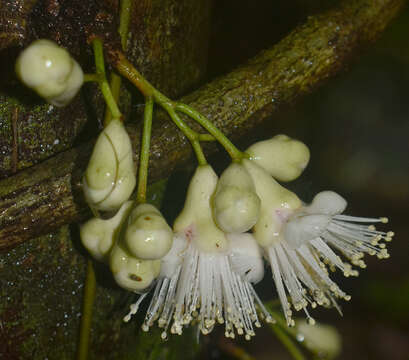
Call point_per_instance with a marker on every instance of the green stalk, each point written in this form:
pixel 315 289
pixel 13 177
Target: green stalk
pixel 234 153
pixel 124 19
pixel 92 78
pixel 192 135
pixel 144 154
pixel 88 302
pixel 103 83
pixel 126 69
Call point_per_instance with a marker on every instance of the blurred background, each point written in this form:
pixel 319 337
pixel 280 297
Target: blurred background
pixel 357 128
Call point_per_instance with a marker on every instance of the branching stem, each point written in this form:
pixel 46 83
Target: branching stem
pixel 124 19
pixel 126 69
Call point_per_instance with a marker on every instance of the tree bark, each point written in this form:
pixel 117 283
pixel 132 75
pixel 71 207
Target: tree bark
pixel 168 41
pixel 41 282
pixel 47 196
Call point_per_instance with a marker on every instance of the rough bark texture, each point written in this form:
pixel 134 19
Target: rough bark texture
pixel 41 282
pixel 32 131
pixel 44 197
pixel 41 288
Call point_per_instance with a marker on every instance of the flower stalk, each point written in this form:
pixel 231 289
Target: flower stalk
pixel 126 69
pixel 144 154
pixel 111 97
pixel 86 318
pixel 103 82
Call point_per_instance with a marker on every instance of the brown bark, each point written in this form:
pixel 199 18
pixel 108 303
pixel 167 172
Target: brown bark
pixel 48 195
pixel 166 37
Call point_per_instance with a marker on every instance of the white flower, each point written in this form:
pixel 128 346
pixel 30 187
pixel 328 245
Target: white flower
pixel 236 205
pixel 297 240
pixel 282 157
pixel 50 70
pixel 204 281
pixel 110 176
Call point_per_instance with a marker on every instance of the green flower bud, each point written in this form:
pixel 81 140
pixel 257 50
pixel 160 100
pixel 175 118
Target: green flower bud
pixel 50 71
pixel 110 176
pixel 97 235
pixel 148 236
pixel 236 205
pixel 282 157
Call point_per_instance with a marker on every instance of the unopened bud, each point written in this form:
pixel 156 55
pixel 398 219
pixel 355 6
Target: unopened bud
pixel 236 205
pixel 282 157
pixel 97 235
pixel 131 273
pixel 148 236
pixel 50 71
pixel 110 176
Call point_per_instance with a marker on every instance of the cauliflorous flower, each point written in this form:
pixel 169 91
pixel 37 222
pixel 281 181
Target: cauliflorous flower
pixel 205 279
pixel 298 241
pixel 50 71
pixel 110 176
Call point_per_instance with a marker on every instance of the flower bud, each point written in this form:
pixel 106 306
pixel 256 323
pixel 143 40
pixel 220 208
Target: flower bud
pixel 236 205
pixel 282 157
pixel 50 71
pixel 131 273
pixel 196 220
pixel 97 235
pixel 277 204
pixel 322 340
pixel 246 257
pixel 148 236
pixel 327 202
pixel 110 176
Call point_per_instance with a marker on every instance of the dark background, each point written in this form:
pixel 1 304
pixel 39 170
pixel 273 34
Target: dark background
pixel 357 129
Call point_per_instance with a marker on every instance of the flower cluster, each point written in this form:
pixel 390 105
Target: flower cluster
pixel 203 271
